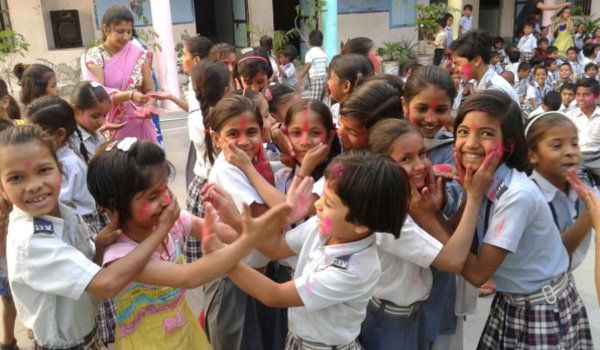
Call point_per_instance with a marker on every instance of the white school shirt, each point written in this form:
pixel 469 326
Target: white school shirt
pixel 491 80
pixel 273 63
pixel 335 283
pixel 449 36
pixel 465 24
pixel 527 43
pixel 565 210
pixel 73 188
pixel 290 72
pixel 90 141
pixel 588 129
pixel 513 67
pixel 283 181
pixel 233 180
pixel 318 62
pixel 519 221
pixel 197 132
pixel 49 267
pixel 405 274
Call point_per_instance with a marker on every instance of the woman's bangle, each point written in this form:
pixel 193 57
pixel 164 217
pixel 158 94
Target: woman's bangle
pixel 131 95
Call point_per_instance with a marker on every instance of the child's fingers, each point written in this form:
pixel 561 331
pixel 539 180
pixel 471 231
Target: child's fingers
pixel 209 220
pixel 459 167
pixel 468 174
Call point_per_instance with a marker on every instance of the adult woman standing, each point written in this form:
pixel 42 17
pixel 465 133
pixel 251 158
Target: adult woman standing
pixel 531 10
pixel 120 65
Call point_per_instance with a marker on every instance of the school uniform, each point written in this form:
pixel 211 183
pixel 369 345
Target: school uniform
pixel 466 23
pixel 335 283
pixel 49 267
pixel 576 68
pixel 588 132
pixel 90 141
pixel 532 282
pixel 513 67
pixel 566 109
pixel 527 44
pixel 449 36
pixel 540 92
pixel 565 209
pixel 491 80
pixel 317 73
pixel 394 316
pixel 235 320
pixel 290 72
pixel 497 67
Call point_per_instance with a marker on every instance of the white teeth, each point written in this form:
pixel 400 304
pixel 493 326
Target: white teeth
pixel 471 156
pixel 38 199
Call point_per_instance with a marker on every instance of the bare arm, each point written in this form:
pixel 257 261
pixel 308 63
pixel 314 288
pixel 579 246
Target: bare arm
pixel 302 74
pixel 481 267
pixel 544 7
pixel 164 95
pixel 575 234
pixel 97 71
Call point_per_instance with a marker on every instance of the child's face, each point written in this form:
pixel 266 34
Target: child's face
pixel 243 131
pixel 552 67
pixel 146 206
pixel 498 45
pixel 543 46
pixel 580 28
pixel 230 62
pixel 467 12
pixel 92 119
pixel 523 74
pixel 495 59
pixel 429 111
pixel 263 107
pixel 556 153
pixel 478 135
pixel 52 87
pixel 30 178
pixel 257 83
pixel 283 59
pixel 540 77
pixel 553 55
pixel 306 131
pixel 527 30
pixel 352 133
pixel 465 66
pixel 449 21
pixel 592 72
pixel 567 96
pixel 457 78
pixel 543 32
pixel 408 151
pixel 283 108
pixel 332 214
pixel 564 72
pixel 572 55
pixel 566 14
pixel 338 89
pixel 188 61
pixel 585 98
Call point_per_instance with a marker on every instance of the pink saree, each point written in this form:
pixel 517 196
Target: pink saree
pixel 118 72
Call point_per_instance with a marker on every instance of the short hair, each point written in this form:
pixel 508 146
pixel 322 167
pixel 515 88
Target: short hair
pixel 115 177
pixel 373 187
pixel 494 54
pixel 543 40
pixel 514 56
pixel 468 7
pixel 551 50
pixel 198 46
pixel 474 43
pixel 572 48
pixel 448 16
pixel 498 105
pixel 289 52
pixel 567 65
pixel 567 86
pixel 549 61
pixel 588 49
pixel 535 61
pixel 589 83
pixel 590 66
pixel 540 67
pixel 498 39
pixel 441 22
pixel 523 66
pixel 266 42
pixel 360 45
pixel 552 100
pixel 528 24
pixel 374 100
pixel 315 38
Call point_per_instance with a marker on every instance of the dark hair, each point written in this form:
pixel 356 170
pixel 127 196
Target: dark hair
pixel 219 51
pixel 588 49
pixel 543 40
pixel 590 66
pixel 535 61
pixel 498 105
pixel 115 177
pixel 256 97
pixel 374 100
pixel 523 66
pixel 537 127
pixel 13 110
pixel 280 94
pixel 383 134
pixel 536 68
pixel 411 67
pixel 528 24
pixel 429 76
pixel 494 54
pixel 498 39
pixel 266 42
pixel 289 52
pixel 253 62
pixel 315 38
pixel 375 189
pixel 572 48
pixel 33 79
pixel 198 46
pixel 351 67
pixel 448 16
pixel 227 107
pixel 3 89
pixel 27 133
pixel 474 43
pixel 441 22
pixel 52 113
pixel 551 50
pixel 514 56
pixel 468 7
pixel 324 115
pixel 552 100
pixel 87 95
pixel 567 86
pixel 548 62
pixel 115 15
pixel 209 79
pixel 565 64
pixel 359 45
pixel 589 83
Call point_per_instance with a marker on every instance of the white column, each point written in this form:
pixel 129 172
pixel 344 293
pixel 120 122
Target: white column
pixel 547 17
pixel 166 62
pixel 457 4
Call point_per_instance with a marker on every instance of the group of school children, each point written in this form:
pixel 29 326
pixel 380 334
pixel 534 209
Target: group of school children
pixel 366 224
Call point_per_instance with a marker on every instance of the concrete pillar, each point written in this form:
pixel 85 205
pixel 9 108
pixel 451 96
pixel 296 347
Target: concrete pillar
pixel 456 4
pixel 547 17
pixel 331 44
pixel 166 59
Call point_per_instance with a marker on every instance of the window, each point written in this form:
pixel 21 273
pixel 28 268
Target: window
pixel 586 6
pixel 4 17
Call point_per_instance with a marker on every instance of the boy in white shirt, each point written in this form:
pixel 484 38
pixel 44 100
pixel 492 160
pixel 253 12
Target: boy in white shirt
pixel 587 119
pixel 527 43
pixel 315 66
pixel 287 68
pixel 466 21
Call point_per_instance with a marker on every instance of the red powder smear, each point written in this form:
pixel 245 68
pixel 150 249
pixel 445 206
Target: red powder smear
pixel 242 130
pixel 497 147
pixel 337 171
pixel 143 111
pixel 326 229
pixel 500 228
pixel 442 168
pixel 143 214
pixel 167 197
pixel 474 126
pixel 411 117
pixel 263 166
pixel 466 71
pixel 301 208
pixel 432 106
pixel 28 165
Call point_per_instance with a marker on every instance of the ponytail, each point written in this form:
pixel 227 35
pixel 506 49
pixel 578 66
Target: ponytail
pixel 82 149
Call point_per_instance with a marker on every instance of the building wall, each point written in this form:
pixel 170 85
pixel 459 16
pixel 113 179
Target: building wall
pixel 260 14
pixel 372 25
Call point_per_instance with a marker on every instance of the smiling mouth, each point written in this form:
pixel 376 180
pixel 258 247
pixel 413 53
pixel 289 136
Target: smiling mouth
pixel 472 156
pixel 429 127
pixel 38 199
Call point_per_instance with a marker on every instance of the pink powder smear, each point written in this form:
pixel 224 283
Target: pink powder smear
pixel 28 165
pixel 326 229
pixel 500 228
pixel 143 111
pixel 167 197
pixel 337 170
pixel 242 131
pixel 144 211
pixel 443 168
pixel 466 71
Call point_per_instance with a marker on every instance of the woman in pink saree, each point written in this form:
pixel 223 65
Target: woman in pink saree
pixel 120 65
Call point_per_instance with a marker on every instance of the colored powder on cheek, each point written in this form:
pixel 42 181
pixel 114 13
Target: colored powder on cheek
pixel 411 117
pixel 143 214
pixel 497 147
pixel 167 198
pixel 28 165
pixel 466 71
pixel 443 168
pixel 326 229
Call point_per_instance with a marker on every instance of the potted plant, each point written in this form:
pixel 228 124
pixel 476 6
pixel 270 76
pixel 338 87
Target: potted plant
pixel 427 17
pixel 396 54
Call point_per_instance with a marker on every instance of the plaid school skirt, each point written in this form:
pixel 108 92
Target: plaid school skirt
pixel 192 247
pixel 292 342
pixel 317 88
pixel 563 324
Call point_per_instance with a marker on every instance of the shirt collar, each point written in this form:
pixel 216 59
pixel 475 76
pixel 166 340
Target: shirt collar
pixel 58 223
pixel 579 113
pixel 501 177
pixel 332 252
pixel 549 190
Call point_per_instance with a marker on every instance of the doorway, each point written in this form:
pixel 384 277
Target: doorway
pixel 284 14
pixel 489 17
pixel 222 21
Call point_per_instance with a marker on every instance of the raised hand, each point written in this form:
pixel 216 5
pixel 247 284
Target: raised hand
pixel 282 141
pixel 268 224
pixel 299 196
pixel 110 232
pixel 210 240
pixel 224 204
pixel 170 214
pixel 263 166
pixel 313 158
pixel 236 156
pixel 111 126
pixel 477 183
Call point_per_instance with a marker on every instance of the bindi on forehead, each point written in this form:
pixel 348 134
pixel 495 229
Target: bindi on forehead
pixel 28 165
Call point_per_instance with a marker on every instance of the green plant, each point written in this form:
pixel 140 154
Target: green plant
pixel 576 11
pixel 402 51
pixel 12 45
pixel 281 38
pixel 179 50
pixel 589 22
pixel 428 15
pixel 68 75
pixel 304 22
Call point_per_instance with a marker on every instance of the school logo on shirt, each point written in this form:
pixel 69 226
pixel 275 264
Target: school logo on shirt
pixel 500 190
pixel 341 262
pixel 42 226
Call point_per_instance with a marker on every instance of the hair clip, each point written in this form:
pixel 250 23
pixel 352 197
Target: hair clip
pixel 260 58
pixel 95 84
pixel 111 145
pixel 539 116
pixel 268 95
pixel 126 143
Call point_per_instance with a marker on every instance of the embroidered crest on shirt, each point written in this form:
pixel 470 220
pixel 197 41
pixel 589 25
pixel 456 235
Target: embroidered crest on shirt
pixel 341 262
pixel 42 226
pixel 500 190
